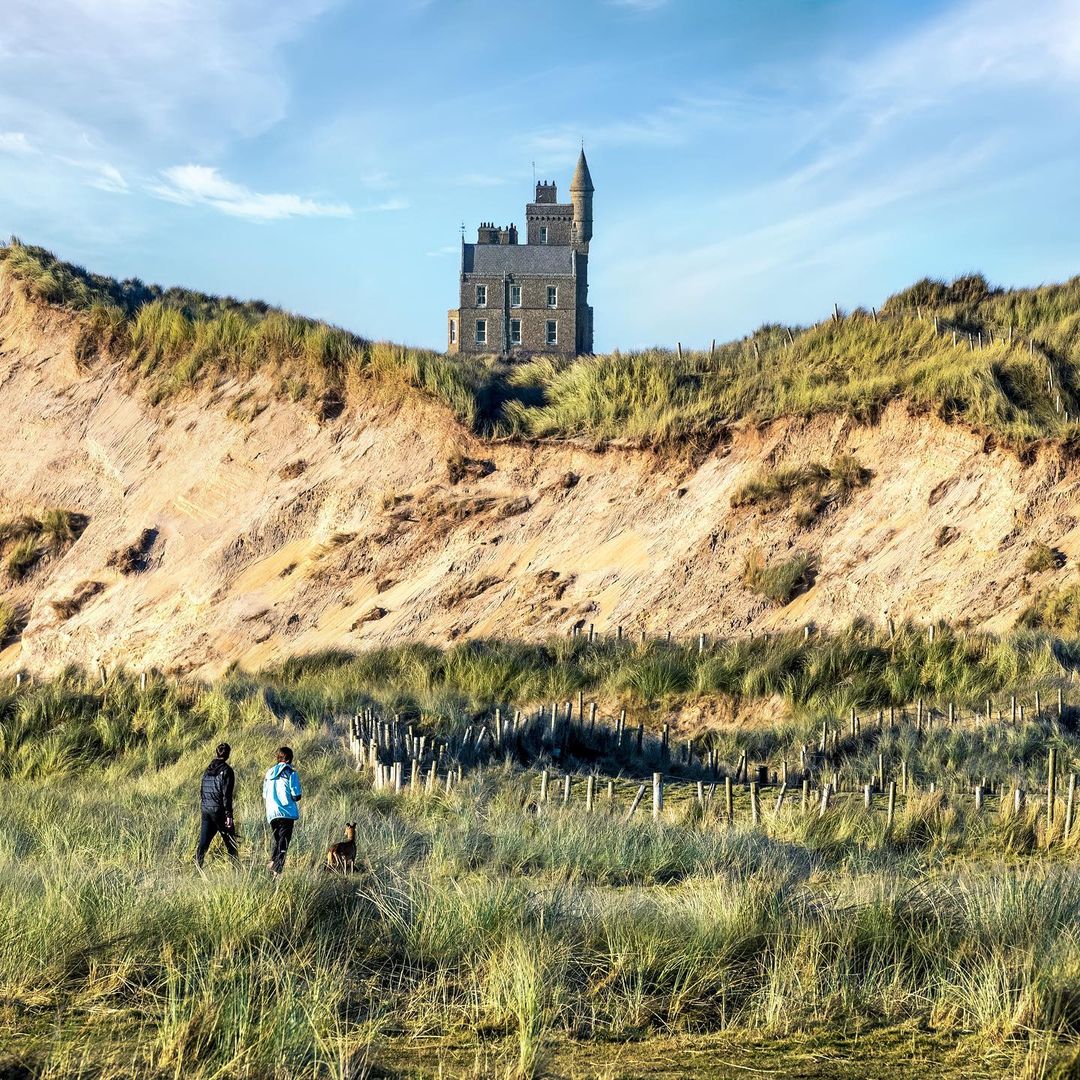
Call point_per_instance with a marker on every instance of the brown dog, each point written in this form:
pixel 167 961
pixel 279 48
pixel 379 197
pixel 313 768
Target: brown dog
pixel 342 855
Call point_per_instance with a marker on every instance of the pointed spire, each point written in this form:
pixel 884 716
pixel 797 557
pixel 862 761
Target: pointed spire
pixel 582 180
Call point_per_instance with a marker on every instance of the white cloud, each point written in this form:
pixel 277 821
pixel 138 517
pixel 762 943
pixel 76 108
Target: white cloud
pixel 447 249
pixel 980 43
pixel 15 142
pixel 204 185
pixel 101 174
pixel 192 71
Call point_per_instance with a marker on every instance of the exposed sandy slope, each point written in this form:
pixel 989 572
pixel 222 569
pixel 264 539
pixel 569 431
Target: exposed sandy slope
pixel 275 535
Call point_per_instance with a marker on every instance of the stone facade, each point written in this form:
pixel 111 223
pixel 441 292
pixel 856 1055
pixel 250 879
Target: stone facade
pixel 521 300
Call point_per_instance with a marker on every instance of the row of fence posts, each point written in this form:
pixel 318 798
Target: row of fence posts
pixel 424 758
pixel 811 799
pixel 378 742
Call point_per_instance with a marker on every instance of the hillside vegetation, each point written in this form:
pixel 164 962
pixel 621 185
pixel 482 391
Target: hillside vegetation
pixel 1003 361
pixel 485 919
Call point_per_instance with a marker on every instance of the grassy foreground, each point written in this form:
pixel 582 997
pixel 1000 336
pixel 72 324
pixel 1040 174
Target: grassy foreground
pixel 535 939
pixel 1006 362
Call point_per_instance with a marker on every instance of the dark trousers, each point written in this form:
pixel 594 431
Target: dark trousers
pixel 212 824
pixel 281 830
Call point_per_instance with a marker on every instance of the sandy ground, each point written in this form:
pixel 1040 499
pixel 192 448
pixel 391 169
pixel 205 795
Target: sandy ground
pixel 275 534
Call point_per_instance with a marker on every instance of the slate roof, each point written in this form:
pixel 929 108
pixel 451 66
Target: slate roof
pixel 496 259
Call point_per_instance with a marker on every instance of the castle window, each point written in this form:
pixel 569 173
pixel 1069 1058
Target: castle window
pixel 481 296
pixel 553 296
pixel 552 332
pixel 543 234
pixel 481 331
pixel 453 331
pixel 515 331
pixel 515 296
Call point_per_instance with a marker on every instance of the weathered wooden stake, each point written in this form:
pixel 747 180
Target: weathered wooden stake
pixel 892 804
pixel 1051 785
pixel 636 802
pixel 544 786
pixel 1070 801
pixel 566 790
pixel 590 793
pixel 657 795
pixel 729 800
pixel 755 805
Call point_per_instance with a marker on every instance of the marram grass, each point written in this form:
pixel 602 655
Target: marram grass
pixel 1020 386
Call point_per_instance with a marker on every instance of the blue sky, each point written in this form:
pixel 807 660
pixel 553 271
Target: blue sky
pixel 754 161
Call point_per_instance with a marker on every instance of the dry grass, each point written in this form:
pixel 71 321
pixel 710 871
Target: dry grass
pixel 778 582
pixel 855 365
pixel 810 488
pixel 1043 557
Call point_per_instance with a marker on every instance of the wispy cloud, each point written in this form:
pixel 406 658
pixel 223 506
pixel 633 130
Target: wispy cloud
pixel 177 71
pixel 678 122
pixel 100 174
pixel 447 249
pixel 203 185
pixel 15 142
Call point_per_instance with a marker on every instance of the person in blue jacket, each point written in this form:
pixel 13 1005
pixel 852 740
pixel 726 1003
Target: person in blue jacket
pixel 281 793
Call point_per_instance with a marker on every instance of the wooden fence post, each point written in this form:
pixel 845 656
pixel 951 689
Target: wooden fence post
pixel 544 786
pixel 657 795
pixel 566 790
pixel 892 805
pixel 729 800
pixel 1051 785
pixel 1070 804
pixel 755 806
pixel 590 793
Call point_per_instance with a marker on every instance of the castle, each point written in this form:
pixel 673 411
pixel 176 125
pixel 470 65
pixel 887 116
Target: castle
pixel 519 300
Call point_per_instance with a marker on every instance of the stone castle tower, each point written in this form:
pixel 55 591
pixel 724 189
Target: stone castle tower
pixel 520 300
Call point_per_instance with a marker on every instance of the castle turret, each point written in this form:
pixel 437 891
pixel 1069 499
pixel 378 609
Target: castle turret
pixel 581 193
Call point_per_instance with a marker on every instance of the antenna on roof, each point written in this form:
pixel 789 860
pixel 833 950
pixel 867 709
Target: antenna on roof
pixel 463 230
pixel 534 174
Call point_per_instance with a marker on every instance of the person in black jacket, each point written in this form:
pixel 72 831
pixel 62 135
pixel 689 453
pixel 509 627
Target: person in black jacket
pixel 216 792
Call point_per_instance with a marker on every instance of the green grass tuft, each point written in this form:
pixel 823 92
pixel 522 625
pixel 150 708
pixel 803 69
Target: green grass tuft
pixel 1042 557
pixel 779 582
